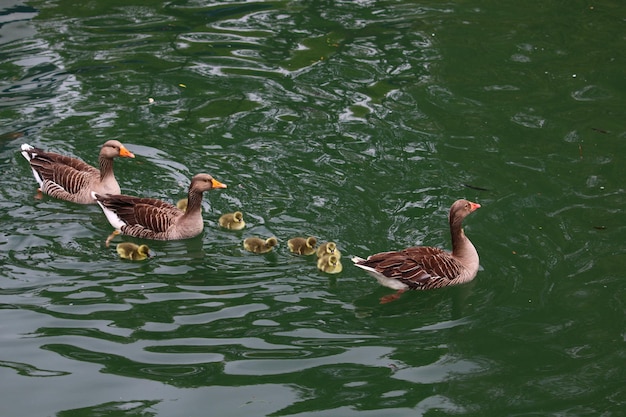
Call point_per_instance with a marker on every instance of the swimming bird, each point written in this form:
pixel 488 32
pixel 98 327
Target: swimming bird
pixel 302 246
pixel 233 221
pixel 331 264
pixel 128 250
pixel 258 245
pixel 182 204
pixel 150 218
pixel 328 248
pixel 423 267
pixel 71 179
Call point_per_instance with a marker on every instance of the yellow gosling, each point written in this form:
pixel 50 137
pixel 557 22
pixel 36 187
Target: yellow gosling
pixel 182 204
pixel 128 250
pixel 302 246
pixel 258 245
pixel 328 248
pixel 329 264
pixel 232 221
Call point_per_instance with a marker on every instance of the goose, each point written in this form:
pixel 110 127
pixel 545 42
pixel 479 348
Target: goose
pixel 71 179
pixel 423 267
pixel 128 250
pixel 331 264
pixel 258 245
pixel 150 218
pixel 328 248
pixel 233 221
pixel 302 246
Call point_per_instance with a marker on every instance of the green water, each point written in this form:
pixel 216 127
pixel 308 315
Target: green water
pixel 358 122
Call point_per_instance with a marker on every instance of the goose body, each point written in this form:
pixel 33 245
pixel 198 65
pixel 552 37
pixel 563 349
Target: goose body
pixel 132 251
pixel 328 248
pixel 71 179
pixel 302 246
pixel 423 267
pixel 155 219
pixel 258 245
pixel 233 221
pixel 331 264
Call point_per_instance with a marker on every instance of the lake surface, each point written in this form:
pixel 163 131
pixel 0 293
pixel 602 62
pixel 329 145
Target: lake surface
pixel 358 122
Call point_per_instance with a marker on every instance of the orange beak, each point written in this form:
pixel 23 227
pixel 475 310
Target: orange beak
pixel 474 206
pixel 125 153
pixel 216 184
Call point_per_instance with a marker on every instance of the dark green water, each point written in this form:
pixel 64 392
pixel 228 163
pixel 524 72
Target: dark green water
pixel 358 122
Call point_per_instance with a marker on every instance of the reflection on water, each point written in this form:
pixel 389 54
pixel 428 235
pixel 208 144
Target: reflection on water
pixel 356 122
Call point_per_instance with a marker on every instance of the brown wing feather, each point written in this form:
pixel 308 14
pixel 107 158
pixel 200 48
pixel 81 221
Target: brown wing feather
pixel 143 213
pixel 70 173
pixel 75 163
pixel 417 267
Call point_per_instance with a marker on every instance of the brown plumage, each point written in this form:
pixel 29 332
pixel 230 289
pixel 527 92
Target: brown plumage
pixel 71 179
pixel 258 245
pixel 422 267
pixel 155 219
pixel 302 246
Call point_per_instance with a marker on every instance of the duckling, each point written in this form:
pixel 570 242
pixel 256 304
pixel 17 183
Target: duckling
pixel 128 250
pixel 328 248
pixel 329 264
pixel 182 204
pixel 258 245
pixel 302 246
pixel 233 221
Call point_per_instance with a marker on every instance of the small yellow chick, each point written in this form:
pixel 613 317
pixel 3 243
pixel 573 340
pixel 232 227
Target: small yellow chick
pixel 258 245
pixel 330 264
pixel 128 250
pixel 182 204
pixel 328 248
pixel 233 221
pixel 302 246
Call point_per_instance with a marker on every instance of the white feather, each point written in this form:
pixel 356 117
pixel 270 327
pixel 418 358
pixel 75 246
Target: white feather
pixel 382 280
pixel 115 221
pixel 29 155
pixel 25 148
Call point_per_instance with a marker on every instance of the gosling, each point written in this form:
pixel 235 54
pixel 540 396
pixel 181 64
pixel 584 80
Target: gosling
pixel 328 248
pixel 128 250
pixel 233 221
pixel 329 264
pixel 302 246
pixel 182 204
pixel 258 245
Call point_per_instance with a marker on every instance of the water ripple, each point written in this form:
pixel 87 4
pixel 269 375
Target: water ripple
pixel 357 122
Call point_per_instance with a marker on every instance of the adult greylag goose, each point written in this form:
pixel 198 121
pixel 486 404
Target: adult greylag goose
pixel 331 264
pixel 132 251
pixel 258 245
pixel 155 219
pixel 302 246
pixel 71 179
pixel 233 221
pixel 422 267
pixel 328 248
